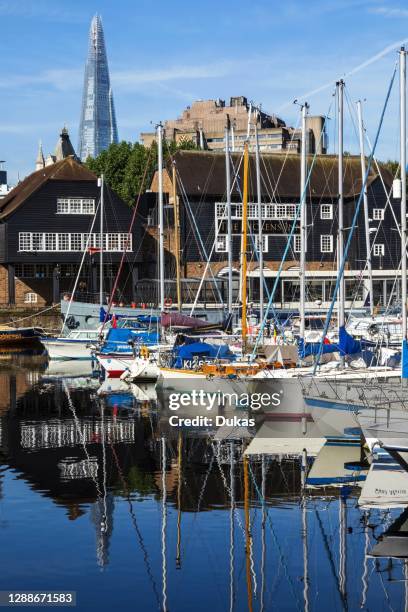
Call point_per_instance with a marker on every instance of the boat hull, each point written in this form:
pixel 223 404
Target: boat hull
pixel 115 366
pixel 23 336
pixel 66 349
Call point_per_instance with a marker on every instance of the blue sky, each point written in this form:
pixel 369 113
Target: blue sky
pixel 163 55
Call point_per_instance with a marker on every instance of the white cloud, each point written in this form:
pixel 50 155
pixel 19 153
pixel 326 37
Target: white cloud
pixel 387 11
pixel 216 70
pixel 60 79
pixel 128 80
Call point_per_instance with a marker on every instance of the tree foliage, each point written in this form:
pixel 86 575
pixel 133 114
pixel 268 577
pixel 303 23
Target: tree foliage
pixel 124 164
pixel 393 167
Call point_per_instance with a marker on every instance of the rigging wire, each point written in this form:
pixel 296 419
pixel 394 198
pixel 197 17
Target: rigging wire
pixel 355 216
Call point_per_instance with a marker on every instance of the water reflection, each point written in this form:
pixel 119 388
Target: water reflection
pixel 231 519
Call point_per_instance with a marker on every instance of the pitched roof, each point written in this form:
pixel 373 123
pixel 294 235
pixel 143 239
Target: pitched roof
pixel 64 146
pixel 203 173
pixel 67 169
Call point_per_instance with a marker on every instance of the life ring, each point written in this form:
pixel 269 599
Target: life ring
pixel 168 302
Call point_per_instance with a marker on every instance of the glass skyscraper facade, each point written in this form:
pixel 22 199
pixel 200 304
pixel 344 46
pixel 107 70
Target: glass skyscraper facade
pixel 98 127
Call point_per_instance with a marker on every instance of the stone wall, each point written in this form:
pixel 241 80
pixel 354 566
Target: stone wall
pixel 41 287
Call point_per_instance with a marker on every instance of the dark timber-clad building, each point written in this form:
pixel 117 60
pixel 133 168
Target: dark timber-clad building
pixel 203 217
pixel 49 224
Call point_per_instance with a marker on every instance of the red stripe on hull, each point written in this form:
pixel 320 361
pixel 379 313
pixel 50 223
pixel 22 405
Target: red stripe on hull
pixel 114 373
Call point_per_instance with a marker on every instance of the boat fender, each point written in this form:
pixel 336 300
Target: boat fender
pixel 144 352
pixel 71 322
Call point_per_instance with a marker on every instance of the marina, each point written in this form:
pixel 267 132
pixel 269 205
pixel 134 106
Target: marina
pixel 204 328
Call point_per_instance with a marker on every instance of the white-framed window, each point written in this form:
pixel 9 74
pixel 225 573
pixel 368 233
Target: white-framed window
pixel 268 211
pixel 326 243
pixel 326 211
pixel 63 242
pixel 76 242
pixel 125 242
pixel 24 241
pixel 50 242
pixel 62 206
pixel 221 210
pixel 88 206
pixel 75 206
pixel 378 250
pixel 37 240
pixel 264 243
pixel 113 242
pixel 296 243
pixel 253 211
pixel 378 214
pixel 221 243
pixel 30 297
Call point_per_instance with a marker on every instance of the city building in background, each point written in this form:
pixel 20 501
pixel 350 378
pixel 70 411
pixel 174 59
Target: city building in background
pixel 4 188
pixel 98 127
pixel 204 123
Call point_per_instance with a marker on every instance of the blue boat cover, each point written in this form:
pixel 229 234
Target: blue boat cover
pixel 117 340
pixel 346 345
pixel 187 355
pixel 119 400
pixel 404 371
pixel 144 319
pixel 148 319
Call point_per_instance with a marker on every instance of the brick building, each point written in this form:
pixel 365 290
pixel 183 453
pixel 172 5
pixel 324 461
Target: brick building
pixel 204 123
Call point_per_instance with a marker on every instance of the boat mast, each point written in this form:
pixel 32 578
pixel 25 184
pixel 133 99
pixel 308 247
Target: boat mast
pixel 260 236
pixel 244 248
pixel 263 529
pixel 343 548
pixel 232 538
pixel 177 235
pixel 161 215
pixel 229 215
pixel 179 485
pixel 101 300
pixel 304 534
pixel 303 222
pixel 403 164
pixel 164 525
pixel 340 238
pixel 248 543
pixel 366 223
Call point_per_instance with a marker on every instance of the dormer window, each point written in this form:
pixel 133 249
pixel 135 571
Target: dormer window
pixel 75 206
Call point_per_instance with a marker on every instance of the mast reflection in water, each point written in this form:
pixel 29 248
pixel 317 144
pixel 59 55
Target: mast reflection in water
pixel 100 496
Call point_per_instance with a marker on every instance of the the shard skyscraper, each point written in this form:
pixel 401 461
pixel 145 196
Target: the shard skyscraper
pixel 98 127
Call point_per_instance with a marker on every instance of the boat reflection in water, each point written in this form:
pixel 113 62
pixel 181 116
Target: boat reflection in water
pixel 259 517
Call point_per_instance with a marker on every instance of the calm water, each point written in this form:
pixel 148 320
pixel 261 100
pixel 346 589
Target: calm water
pixel 86 505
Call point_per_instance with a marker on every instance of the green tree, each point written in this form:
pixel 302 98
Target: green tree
pixel 124 165
pixel 392 166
